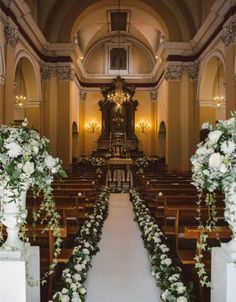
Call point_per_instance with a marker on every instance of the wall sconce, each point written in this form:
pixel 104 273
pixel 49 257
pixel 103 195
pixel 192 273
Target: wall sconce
pixel 92 126
pixel 143 125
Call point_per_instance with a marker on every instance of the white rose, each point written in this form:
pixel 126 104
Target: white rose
pixel 64 291
pixel 76 298
pixel 78 267
pixel 223 168
pixel 14 150
pixel 35 149
pixel 82 290
pixel 181 289
pixel 181 299
pixel 49 162
pixel 166 261
pixel 85 251
pixel 77 277
pixel 214 136
pixel 228 147
pixel 65 298
pixel 28 167
pixel 215 160
pixel 201 151
pixel 68 280
pixel 165 295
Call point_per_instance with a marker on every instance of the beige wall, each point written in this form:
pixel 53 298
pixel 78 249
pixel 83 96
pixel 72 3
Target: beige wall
pixel 92 113
pixel 143 113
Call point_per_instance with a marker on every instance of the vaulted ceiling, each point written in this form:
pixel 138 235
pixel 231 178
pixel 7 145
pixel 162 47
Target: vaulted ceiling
pixel 61 21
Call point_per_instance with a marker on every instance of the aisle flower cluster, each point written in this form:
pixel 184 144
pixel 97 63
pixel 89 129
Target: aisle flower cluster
pixel 75 273
pixel 168 277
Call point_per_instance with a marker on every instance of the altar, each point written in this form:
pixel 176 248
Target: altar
pixel 119 161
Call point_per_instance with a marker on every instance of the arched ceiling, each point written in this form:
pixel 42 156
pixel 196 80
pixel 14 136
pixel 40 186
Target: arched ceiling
pixel 61 20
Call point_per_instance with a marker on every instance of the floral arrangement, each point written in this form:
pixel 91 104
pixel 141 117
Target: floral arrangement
pixel 143 162
pixel 25 163
pixel 214 168
pixel 94 161
pixel 168 277
pixel 74 275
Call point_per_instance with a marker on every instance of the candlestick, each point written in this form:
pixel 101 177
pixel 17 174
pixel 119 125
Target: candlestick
pixel 110 136
pixel 125 136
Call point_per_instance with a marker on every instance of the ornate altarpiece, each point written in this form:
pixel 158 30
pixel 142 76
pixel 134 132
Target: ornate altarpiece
pixel 118 123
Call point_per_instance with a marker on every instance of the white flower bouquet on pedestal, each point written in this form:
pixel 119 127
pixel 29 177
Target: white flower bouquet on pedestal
pixel 214 168
pixel 25 163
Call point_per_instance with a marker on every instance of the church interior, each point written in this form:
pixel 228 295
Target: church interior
pixel 121 89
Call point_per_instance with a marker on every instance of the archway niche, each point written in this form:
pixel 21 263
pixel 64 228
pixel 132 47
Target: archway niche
pixel 211 84
pixel 26 84
pixel 162 140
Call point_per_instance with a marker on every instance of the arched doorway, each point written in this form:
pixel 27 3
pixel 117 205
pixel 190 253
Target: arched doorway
pixel 162 140
pixel 75 139
pixel 211 85
pixel 26 85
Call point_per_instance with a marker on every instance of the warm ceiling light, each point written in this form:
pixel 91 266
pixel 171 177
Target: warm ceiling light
pixel 156 57
pixel 81 58
pixel 119 96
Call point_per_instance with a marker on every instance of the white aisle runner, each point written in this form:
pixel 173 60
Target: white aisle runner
pixel 121 270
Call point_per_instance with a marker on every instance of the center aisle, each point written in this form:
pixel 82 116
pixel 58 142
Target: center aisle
pixel 121 270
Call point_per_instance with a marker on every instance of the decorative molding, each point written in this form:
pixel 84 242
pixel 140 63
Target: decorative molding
pixel 153 95
pixel 65 73
pixel 192 71
pixel 83 95
pixel 11 35
pixel 173 73
pixel 45 73
pixel 228 34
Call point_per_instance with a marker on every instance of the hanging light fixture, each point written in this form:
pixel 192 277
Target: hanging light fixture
pixel 119 95
pixel 218 100
pixel 20 99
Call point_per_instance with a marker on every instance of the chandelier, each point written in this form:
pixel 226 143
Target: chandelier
pixel 218 100
pixel 20 99
pixel 119 95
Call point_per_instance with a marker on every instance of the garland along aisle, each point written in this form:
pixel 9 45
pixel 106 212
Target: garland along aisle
pixel 75 273
pixel 168 277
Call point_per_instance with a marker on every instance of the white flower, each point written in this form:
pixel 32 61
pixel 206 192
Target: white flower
pixel 76 298
pixel 181 289
pixel 214 136
pixel 215 160
pixel 165 295
pixel 228 147
pixel 68 280
pixel 166 261
pixel 82 290
pixel 65 298
pixel 223 168
pixel 49 162
pixel 14 150
pixel 64 291
pixel 85 251
pixel 78 267
pixel 28 167
pixel 77 277
pixel 181 299
pixel 202 151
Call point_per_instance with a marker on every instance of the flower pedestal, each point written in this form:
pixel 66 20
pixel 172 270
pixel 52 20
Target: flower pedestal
pixel 12 215
pixel 14 273
pixel 223 274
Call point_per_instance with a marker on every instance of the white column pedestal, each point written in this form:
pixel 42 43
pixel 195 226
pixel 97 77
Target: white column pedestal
pixel 13 283
pixel 223 274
